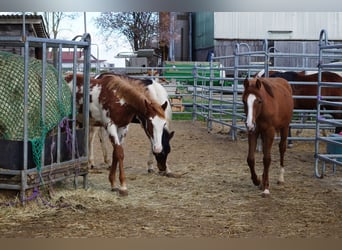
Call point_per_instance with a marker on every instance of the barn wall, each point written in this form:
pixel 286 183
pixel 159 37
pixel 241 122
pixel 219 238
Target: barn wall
pixel 227 47
pixel 277 25
pixel 309 50
pixel 16 30
pixel 202 35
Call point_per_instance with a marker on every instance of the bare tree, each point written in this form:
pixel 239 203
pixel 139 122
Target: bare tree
pixel 53 20
pixel 138 27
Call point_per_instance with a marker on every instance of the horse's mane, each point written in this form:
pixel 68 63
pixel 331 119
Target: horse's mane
pixel 133 91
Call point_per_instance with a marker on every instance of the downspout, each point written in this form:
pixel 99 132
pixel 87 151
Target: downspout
pixel 190 36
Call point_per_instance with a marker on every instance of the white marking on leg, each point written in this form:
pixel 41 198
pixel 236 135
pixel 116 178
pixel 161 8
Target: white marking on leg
pixel 112 130
pixel 266 192
pixel 122 132
pixel 92 133
pixel 168 170
pixel 123 187
pixel 281 175
pixel 150 167
pixel 102 135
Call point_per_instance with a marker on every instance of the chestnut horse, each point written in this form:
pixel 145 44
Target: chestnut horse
pixel 268 106
pixel 113 102
pixel 160 95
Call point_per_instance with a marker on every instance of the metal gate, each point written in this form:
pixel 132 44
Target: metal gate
pixel 222 103
pixel 328 149
pixel 71 139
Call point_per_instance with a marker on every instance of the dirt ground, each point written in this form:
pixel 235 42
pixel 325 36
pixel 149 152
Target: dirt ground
pixel 214 198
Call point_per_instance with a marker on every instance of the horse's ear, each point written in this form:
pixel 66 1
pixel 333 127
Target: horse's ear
pixel 246 83
pixel 258 83
pixel 164 105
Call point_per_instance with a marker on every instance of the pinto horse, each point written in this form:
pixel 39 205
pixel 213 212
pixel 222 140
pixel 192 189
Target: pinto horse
pixel 160 95
pixel 268 106
pixel 113 102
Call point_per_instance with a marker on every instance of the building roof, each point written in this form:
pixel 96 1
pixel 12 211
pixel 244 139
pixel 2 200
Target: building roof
pixel 68 57
pixel 36 22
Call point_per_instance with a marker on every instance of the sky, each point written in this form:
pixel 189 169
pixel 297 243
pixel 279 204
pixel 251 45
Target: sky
pixel 107 50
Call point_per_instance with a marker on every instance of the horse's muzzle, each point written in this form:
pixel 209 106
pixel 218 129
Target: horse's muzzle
pixel 161 161
pixel 250 127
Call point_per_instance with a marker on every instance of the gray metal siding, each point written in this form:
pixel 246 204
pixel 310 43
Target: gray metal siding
pixel 277 25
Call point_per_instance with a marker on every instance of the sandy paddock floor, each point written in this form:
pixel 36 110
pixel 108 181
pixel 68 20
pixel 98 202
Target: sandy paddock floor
pixel 214 198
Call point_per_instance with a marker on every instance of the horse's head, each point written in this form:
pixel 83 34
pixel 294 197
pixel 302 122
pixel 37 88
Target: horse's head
pixel 154 122
pixel 162 156
pixel 252 102
pixel 155 126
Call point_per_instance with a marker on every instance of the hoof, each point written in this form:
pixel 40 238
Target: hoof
pixel 150 171
pixel 290 145
pixel 280 182
pixel 257 183
pixel 123 192
pixel 172 175
pixel 266 193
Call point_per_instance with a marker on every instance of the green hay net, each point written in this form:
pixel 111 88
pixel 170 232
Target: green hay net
pixel 12 101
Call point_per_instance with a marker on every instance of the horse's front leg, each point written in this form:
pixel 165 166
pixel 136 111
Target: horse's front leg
pixel 112 172
pixel 119 154
pixel 116 136
pixel 150 168
pixel 267 138
pixel 282 149
pixel 290 143
pixel 252 143
pixel 118 157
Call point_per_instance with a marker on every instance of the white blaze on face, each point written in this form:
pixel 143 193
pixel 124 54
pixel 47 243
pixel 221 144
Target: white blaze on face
pixel 158 126
pixel 250 103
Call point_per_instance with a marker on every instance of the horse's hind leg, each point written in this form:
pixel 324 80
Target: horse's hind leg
pixel 92 132
pixel 102 136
